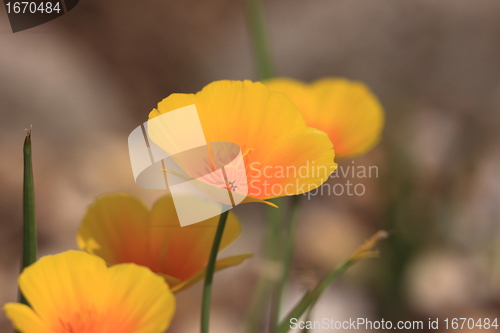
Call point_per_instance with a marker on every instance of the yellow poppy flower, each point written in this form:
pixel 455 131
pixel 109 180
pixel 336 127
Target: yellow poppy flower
pixel 282 155
pixel 346 110
pixel 75 292
pixel 119 228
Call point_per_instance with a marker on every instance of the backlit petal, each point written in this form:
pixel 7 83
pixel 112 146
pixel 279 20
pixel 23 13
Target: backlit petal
pixel 346 110
pixel 263 123
pixel 114 228
pixel 76 292
pixel 25 319
pixel 65 283
pixel 182 252
pixel 146 297
pixel 128 232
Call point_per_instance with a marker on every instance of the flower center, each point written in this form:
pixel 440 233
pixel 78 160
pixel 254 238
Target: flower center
pixel 234 175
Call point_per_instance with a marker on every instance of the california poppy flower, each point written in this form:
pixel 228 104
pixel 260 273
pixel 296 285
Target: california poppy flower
pixel 282 155
pixel 75 292
pixel 346 110
pixel 120 228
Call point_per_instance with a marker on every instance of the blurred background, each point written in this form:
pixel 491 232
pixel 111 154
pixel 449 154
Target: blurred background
pixel 87 79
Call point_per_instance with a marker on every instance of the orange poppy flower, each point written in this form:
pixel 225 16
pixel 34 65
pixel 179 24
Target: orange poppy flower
pixel 282 156
pixel 120 228
pixel 346 110
pixel 75 292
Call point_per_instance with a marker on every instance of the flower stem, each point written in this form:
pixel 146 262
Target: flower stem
pixel 310 298
pixel 266 278
pixel 29 255
pixel 258 31
pixel 207 286
pixel 271 271
pixel 289 237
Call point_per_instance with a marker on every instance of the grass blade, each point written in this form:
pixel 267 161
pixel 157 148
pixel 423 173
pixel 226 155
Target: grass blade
pixel 310 298
pixel 29 255
pixel 255 15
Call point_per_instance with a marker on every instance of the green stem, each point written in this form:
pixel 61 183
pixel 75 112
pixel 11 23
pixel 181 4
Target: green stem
pixel 267 277
pixel 29 255
pixel 307 319
pixel 259 36
pixel 312 297
pixel 289 238
pixel 207 286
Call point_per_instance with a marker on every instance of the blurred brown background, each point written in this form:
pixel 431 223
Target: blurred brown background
pixel 88 78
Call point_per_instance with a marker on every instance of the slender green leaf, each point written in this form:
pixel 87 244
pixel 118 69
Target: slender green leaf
pixel 311 297
pixel 29 255
pixel 269 275
pixel 308 318
pixel 290 230
pixel 255 15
